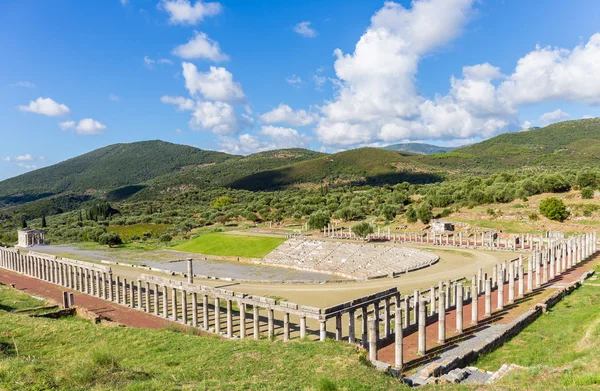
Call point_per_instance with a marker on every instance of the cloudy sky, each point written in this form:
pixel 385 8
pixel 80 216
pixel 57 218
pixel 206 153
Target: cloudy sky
pixel 247 75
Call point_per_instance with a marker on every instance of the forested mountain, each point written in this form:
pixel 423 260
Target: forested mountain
pixel 568 144
pixel 110 167
pixel 420 148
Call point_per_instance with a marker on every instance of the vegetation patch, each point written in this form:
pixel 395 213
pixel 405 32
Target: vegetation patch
pixel 231 245
pixel 126 232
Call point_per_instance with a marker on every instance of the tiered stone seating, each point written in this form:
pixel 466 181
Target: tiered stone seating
pixel 353 260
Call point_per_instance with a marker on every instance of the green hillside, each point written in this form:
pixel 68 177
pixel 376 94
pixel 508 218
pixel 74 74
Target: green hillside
pixel 420 148
pixel 565 144
pixel 363 165
pixel 110 167
pixel 229 171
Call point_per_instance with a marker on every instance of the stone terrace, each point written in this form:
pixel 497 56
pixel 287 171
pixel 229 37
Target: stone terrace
pixel 351 260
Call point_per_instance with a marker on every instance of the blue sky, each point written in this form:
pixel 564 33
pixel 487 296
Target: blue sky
pixel 79 75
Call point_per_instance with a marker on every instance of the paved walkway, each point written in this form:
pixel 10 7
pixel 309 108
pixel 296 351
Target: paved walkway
pixel 116 313
pixel 486 325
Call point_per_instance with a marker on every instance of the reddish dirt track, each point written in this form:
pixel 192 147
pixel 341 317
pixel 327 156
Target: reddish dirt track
pixel 117 313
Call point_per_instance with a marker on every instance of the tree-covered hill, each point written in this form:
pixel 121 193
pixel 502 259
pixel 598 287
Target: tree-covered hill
pixel 363 165
pixel 566 144
pixel 420 148
pixel 107 168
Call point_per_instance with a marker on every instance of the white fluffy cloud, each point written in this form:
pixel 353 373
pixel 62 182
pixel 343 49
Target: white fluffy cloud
pixel 183 12
pixel 181 102
pixel 304 29
pixel 24 161
pixel 294 80
pixel 553 116
pixel 85 126
pixel 46 106
pixel 377 98
pixel 200 46
pixel 548 74
pixel 269 137
pixel 283 114
pixel 218 117
pixel 216 84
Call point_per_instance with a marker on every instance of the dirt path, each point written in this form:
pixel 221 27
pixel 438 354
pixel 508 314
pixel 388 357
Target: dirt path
pixel 123 315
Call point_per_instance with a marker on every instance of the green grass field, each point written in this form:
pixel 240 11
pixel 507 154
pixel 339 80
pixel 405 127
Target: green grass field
pixel 74 354
pixel 127 231
pixel 231 245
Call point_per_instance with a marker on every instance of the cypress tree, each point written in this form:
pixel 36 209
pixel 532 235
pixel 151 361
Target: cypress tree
pixel 44 221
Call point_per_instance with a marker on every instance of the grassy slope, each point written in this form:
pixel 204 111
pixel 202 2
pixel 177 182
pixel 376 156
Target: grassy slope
pixel 231 245
pixel 73 354
pixel 563 144
pixel 370 165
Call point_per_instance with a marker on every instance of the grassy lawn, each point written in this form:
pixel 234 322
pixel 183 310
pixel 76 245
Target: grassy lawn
pixel 12 299
pixel 231 245
pixel 74 354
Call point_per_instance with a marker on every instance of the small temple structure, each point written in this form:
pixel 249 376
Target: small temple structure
pixel 31 237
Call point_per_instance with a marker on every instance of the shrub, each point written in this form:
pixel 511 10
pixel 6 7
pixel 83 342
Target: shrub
pixel 110 239
pixel 554 209
pixel 318 220
pixel 362 229
pixel 534 217
pixel 411 214
pixel 425 213
pixel 587 193
pixel 165 238
pixel 221 202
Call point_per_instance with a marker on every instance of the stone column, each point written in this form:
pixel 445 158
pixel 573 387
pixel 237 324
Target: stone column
pixel 474 302
pixel 338 327
pixel 175 310
pixel 406 312
pixel 156 299
pixel 351 329
pixel 229 320
pixel 194 309
pixel 538 276
pixel 123 292
pixel 302 326
pixel 459 308
pixel 500 293
pixel 118 290
pixel 147 288
pixel 205 312
pixel 364 326
pixel 322 330
pixel 184 313
pixel 139 295
pixel 552 268
pixel 442 318
pixel 217 315
pixel 399 340
pixel 422 346
pixel 255 319
pixel 165 300
pixel 488 297
pixel 376 316
pixel 431 300
pixel 372 340
pixel 286 326
pixel 98 294
pixel 511 284
pixel 529 274
pixel 521 287
pixel 417 303
pixel 271 324
pixel 242 307
pixel 131 294
pixel 545 267
pixel 494 276
pixel 190 271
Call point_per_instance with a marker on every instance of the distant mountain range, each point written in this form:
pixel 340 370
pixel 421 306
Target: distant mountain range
pixel 420 148
pixel 150 169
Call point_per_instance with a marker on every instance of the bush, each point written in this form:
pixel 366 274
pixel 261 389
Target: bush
pixel 534 217
pixel 362 229
pixel 318 220
pixel 425 214
pixel 110 239
pixel 554 209
pixel 587 193
pixel 411 214
pixel 165 238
